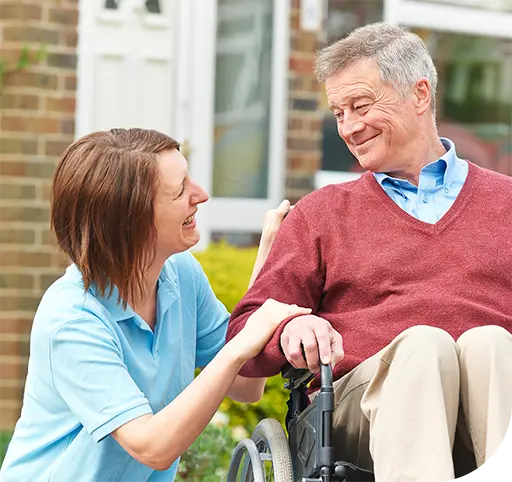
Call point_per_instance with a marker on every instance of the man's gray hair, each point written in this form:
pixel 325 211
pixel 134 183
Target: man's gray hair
pixel 401 56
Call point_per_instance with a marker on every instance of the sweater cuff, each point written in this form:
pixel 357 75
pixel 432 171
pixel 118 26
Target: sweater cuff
pixel 271 359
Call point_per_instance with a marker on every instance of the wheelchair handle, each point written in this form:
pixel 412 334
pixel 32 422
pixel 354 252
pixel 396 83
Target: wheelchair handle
pixel 326 376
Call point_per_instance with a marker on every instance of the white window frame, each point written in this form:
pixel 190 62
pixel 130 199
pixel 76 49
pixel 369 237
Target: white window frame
pixel 449 18
pixel 195 115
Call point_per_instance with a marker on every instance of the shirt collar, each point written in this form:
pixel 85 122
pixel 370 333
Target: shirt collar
pixel 448 164
pixel 167 281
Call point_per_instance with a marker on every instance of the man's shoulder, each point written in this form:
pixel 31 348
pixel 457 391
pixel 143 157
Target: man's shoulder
pixel 334 194
pixel 497 182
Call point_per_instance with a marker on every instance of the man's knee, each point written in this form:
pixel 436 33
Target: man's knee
pixel 485 338
pixel 426 344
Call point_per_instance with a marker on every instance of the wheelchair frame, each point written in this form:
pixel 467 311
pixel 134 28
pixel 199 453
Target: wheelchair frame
pixel 310 437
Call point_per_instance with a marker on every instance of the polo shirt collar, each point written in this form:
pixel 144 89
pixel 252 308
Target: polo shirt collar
pixel 167 282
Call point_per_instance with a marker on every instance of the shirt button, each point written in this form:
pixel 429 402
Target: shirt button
pixel 446 189
pixel 424 199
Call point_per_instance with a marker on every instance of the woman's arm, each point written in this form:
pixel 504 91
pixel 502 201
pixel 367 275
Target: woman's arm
pixel 158 440
pixel 273 220
pixel 250 390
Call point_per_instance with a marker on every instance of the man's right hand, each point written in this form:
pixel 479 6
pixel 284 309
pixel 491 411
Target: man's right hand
pixel 313 336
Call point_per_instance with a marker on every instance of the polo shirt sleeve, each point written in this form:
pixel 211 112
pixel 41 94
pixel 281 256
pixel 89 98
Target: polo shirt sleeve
pixel 90 375
pixel 212 320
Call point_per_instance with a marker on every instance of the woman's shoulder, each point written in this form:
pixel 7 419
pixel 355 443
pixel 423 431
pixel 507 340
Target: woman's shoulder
pixel 66 301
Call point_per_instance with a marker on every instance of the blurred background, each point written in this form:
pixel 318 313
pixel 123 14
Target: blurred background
pixel 233 81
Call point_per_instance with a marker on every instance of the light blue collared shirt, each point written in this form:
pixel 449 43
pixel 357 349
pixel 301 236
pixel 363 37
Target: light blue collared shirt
pixel 94 366
pixel 440 182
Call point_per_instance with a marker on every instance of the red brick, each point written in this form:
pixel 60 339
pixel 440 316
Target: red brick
pixel 17 191
pixel 64 61
pixel 66 17
pixel 19 101
pixel 70 39
pixel 39 125
pixel 70 82
pixel 13 371
pixel 56 148
pixel 30 34
pixel 302 64
pixel 11 145
pixel 17 236
pixel 16 10
pixel 24 213
pixel 23 258
pixel 16 325
pixel 24 78
pixel 27 168
pixel 19 303
pixel 9 416
pixel 13 392
pixel 61 104
pixel 16 281
pixel 14 348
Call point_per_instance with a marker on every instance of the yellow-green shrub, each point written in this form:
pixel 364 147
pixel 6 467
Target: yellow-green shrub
pixel 229 269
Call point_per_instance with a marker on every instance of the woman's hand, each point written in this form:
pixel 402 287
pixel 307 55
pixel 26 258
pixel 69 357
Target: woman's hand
pixel 273 220
pixel 261 325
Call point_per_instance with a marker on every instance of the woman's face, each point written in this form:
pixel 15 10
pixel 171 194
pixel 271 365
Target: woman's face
pixel 176 203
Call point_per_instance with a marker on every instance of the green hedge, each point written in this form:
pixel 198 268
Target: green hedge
pixel 229 270
pixel 5 437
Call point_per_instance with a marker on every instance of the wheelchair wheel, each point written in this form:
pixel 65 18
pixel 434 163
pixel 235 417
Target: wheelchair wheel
pixel 274 450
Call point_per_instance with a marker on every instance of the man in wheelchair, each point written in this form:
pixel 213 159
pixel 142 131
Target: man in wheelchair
pixel 407 271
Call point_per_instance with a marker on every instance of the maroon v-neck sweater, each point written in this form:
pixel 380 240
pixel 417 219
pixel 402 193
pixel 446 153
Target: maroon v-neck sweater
pixel 358 260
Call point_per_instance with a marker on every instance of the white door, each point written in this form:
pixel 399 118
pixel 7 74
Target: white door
pixel 126 65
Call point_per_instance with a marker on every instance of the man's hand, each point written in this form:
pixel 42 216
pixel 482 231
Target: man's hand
pixel 316 337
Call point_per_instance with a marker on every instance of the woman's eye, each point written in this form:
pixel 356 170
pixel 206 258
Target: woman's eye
pixel 181 192
pixel 338 115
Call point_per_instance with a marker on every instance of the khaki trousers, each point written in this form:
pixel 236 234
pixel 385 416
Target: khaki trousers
pixel 398 412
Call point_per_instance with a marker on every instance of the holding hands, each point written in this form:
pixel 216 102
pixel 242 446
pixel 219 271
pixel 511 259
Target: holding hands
pixel 262 324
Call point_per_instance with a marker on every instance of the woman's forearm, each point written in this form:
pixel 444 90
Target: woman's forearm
pixel 158 440
pixel 261 257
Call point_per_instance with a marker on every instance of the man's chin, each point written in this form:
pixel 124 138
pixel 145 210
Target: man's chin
pixel 370 164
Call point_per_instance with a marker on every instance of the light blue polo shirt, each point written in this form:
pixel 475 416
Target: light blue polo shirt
pixel 94 366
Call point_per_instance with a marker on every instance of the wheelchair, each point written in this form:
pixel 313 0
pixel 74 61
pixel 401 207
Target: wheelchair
pixel 307 454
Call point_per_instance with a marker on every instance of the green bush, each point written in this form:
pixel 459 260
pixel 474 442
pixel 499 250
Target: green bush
pixel 5 438
pixel 229 269
pixel 207 459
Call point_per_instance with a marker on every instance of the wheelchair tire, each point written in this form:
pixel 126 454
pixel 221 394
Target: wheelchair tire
pixel 272 444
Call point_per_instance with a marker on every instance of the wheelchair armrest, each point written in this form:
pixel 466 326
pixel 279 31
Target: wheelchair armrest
pixel 288 371
pixel 297 376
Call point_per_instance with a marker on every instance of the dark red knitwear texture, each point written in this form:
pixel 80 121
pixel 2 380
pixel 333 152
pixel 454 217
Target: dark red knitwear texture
pixel 358 260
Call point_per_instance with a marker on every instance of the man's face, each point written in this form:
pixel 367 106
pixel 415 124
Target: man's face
pixel 377 124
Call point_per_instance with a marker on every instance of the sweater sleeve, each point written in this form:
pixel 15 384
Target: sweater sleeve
pixel 293 273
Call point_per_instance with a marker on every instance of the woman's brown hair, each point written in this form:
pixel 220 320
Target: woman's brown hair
pixel 102 207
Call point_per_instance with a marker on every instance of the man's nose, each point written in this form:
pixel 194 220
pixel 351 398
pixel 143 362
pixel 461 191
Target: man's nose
pixel 349 127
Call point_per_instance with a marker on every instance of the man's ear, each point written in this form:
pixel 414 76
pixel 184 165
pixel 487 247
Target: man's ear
pixel 422 95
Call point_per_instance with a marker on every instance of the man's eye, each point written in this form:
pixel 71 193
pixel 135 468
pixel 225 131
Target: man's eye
pixel 362 107
pixel 181 192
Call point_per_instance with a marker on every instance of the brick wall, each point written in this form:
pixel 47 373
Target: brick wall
pixel 37 110
pixel 304 134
